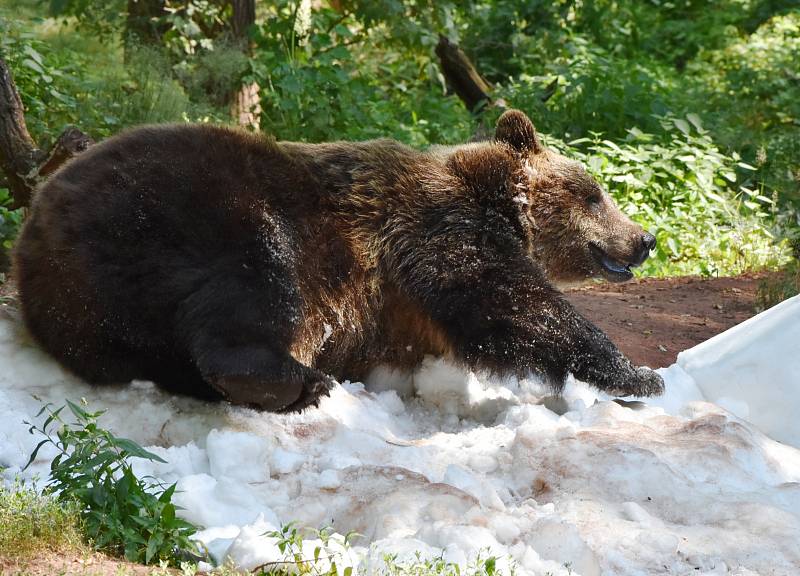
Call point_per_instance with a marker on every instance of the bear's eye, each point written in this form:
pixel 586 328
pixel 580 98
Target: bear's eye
pixel 593 199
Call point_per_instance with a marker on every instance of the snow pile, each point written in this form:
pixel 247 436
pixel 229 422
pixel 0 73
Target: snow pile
pixel 469 466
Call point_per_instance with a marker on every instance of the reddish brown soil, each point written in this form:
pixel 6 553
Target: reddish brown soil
pixel 653 319
pixel 83 563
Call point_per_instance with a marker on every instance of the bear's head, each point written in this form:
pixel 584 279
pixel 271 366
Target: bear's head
pixel 572 226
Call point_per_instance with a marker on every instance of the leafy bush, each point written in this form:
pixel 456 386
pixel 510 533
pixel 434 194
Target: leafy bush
pixel 592 90
pixel 10 222
pixel 329 548
pixel 480 566
pixel 121 513
pixel 751 91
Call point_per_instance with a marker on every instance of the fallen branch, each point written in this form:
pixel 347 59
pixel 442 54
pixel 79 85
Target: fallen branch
pixel 462 76
pixel 21 160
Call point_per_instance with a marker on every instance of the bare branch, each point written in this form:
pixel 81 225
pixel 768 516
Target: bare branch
pixel 462 76
pixel 21 160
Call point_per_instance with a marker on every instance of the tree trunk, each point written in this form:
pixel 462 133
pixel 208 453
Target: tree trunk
pixel 246 105
pixel 244 16
pixel 19 154
pixel 21 160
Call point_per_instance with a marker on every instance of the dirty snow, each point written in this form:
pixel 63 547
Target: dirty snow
pixel 456 464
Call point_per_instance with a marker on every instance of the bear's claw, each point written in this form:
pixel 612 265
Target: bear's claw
pixel 312 393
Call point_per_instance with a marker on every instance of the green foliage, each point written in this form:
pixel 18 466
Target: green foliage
pixel 67 78
pixel 212 75
pixel 750 89
pixel 330 548
pixel 101 17
pixel 32 523
pixel 590 90
pixel 92 471
pixel 324 79
pixel 192 26
pixel 150 94
pixel 43 77
pixel 10 221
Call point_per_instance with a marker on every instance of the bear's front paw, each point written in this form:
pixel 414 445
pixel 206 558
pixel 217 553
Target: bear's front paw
pixel 650 382
pixel 643 382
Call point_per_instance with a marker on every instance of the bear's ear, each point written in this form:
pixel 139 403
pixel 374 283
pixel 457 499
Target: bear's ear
pixel 516 129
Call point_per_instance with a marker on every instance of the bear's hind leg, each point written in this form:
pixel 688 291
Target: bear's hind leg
pixel 238 329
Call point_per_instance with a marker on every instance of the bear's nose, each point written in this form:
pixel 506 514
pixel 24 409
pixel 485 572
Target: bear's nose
pixel 649 241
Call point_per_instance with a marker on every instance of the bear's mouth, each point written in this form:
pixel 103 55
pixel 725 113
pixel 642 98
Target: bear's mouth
pixel 612 269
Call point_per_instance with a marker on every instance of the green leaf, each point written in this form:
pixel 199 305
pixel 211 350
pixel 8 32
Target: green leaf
pixel 33 65
pixel 168 514
pixel 682 125
pixel 152 546
pixel 166 496
pixel 673 246
pixel 137 451
pixel 31 51
pixel 35 452
pixel 78 412
pixel 695 120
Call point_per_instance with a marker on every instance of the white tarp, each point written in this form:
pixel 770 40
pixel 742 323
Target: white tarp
pixel 753 370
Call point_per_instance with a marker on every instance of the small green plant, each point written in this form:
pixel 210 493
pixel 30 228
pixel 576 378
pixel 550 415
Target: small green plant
pixel 777 287
pixel 330 548
pixel 480 566
pixel 10 222
pixel 297 559
pixel 121 514
pixel 31 522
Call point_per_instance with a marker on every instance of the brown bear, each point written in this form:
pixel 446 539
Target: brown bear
pixel 223 264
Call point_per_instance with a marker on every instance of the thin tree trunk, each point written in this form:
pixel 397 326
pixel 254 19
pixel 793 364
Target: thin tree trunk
pixel 244 16
pixel 246 105
pixel 21 160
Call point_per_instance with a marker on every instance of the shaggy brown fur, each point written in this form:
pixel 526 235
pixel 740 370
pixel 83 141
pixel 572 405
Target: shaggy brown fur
pixel 226 265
